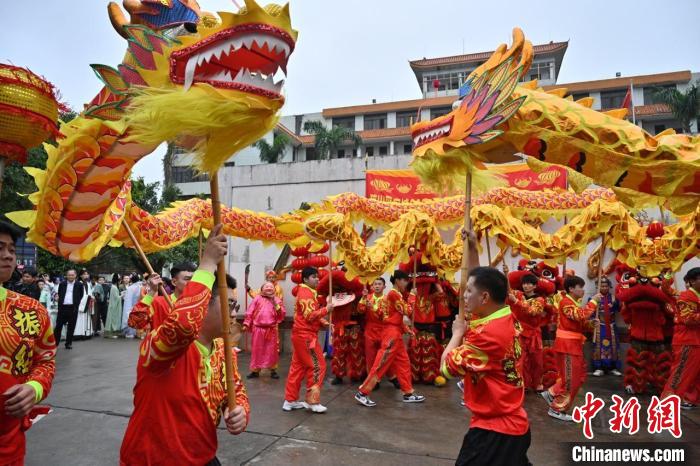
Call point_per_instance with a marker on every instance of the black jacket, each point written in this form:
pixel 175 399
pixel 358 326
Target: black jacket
pixel 78 292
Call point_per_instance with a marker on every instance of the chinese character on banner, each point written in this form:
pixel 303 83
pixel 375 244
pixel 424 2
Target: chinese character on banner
pixel 587 412
pixel 665 415
pixel 625 414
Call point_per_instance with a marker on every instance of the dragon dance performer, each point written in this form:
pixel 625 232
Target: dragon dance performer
pixel 685 372
pixel 263 316
pixel 606 345
pixel 307 358
pixel 574 321
pixel 27 349
pixel 392 353
pixel 529 309
pixel 369 306
pixel 180 391
pixel 485 355
pixel 152 310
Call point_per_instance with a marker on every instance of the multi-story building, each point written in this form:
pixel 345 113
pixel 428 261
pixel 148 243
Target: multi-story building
pixel 384 127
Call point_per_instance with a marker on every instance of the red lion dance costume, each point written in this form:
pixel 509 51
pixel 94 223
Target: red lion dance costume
pixel 348 343
pixel 431 315
pixel 647 307
pixel 548 282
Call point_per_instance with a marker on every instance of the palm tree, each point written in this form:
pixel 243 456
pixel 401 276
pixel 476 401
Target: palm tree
pixel 685 106
pixel 271 153
pixel 327 140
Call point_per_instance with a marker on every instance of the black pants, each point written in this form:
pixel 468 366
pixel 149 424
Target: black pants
pixel 488 448
pixel 102 309
pixel 66 315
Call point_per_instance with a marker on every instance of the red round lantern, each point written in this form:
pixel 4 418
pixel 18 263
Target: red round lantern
pixel 300 252
pixel 436 84
pixel 324 248
pixel 655 230
pixel 296 277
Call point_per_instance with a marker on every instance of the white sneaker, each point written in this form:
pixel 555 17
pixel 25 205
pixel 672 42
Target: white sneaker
pixel 560 416
pixel 292 405
pixel 547 396
pixel 460 385
pixel 317 408
pixel 629 389
pixel 413 398
pixel 237 349
pixel 597 373
pixel 364 399
pixel 616 372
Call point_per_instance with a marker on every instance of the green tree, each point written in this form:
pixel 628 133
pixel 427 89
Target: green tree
pixel 685 106
pixel 327 140
pixel 271 153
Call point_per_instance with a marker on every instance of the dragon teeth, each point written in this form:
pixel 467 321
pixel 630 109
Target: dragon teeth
pixel 189 72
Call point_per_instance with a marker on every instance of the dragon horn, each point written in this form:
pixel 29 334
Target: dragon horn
pixel 117 18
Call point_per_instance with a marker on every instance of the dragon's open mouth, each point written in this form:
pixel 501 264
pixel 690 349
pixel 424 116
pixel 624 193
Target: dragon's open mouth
pixel 244 58
pixel 432 132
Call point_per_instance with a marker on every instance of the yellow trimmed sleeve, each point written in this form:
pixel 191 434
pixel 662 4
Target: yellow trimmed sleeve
pixel 147 299
pixel 204 277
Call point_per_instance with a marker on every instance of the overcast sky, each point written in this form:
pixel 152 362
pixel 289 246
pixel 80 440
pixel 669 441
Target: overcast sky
pixel 350 52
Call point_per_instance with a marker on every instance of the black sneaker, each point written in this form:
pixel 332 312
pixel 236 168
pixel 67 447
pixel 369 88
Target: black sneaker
pixel 413 398
pixel 396 383
pixel 253 375
pixel 364 399
pixel 337 381
pixel 274 375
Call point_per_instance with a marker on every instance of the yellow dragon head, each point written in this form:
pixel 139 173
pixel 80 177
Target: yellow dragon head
pixel 203 81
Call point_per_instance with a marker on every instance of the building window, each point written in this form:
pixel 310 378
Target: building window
pixel 311 153
pixel 449 80
pixel 403 119
pixel 650 96
pixel 612 99
pixel 229 164
pixel 580 95
pixel 341 153
pixel 407 148
pixel 439 111
pixel 369 151
pixel 345 122
pixel 188 175
pixel 383 150
pixel 377 121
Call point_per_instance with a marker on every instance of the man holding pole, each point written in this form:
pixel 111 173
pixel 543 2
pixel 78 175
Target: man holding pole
pixel 180 392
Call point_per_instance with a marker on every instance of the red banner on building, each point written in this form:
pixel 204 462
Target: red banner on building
pixel 404 185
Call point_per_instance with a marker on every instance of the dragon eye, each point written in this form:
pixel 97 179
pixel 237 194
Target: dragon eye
pixel 547 274
pixel 190 27
pixel 626 276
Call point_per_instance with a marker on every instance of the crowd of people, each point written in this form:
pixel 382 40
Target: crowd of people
pixel 180 394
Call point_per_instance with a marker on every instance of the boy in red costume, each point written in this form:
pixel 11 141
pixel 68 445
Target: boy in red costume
pixel 152 310
pixel 307 358
pixel 27 352
pixel 180 392
pixel 392 354
pixel 529 309
pixel 573 321
pixel 485 353
pixel 685 372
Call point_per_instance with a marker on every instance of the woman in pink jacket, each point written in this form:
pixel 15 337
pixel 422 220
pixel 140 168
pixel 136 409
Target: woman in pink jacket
pixel 262 317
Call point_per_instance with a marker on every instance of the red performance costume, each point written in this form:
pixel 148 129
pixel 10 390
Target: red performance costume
pixel 307 358
pixel 27 352
pixel 573 322
pixel 150 312
pixel 180 390
pixel 348 349
pixel 370 307
pixel 531 314
pixel 685 372
pixel 487 361
pixel 646 305
pixel 392 352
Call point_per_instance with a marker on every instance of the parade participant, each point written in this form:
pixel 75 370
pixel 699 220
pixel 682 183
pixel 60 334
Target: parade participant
pixel 28 350
pixel 70 295
pixel 606 345
pixel 307 358
pixel 392 353
pixel 369 306
pixel 270 276
pixel 685 372
pixel 150 311
pixel 573 321
pixel 348 358
pixel 262 318
pixel 485 355
pixel 180 392
pixel 529 309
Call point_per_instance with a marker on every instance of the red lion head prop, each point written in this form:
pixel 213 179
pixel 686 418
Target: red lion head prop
pixel 548 278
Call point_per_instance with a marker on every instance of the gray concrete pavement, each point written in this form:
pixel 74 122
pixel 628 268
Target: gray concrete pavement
pixel 92 401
